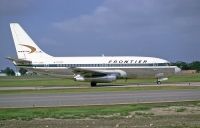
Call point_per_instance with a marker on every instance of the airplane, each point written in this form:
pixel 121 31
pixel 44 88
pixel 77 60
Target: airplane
pixel 98 69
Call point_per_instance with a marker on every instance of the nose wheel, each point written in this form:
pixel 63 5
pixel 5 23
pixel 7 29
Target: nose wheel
pixel 158 81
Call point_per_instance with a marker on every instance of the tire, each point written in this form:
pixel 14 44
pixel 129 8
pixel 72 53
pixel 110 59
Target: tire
pixel 93 84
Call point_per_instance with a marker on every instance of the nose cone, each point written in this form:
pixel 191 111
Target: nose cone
pixel 177 69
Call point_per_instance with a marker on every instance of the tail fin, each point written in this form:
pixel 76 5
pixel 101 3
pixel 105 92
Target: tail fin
pixel 25 46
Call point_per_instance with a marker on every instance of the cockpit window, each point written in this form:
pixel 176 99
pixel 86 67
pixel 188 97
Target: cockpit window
pixel 163 64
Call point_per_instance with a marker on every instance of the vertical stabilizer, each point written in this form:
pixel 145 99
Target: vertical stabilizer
pixel 25 46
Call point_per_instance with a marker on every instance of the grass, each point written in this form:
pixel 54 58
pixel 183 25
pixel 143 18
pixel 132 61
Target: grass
pixel 184 78
pixel 48 81
pixel 181 109
pixel 83 111
pixel 67 112
pixel 143 113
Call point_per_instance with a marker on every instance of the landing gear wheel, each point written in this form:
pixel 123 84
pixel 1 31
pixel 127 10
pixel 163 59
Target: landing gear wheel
pixel 158 81
pixel 93 84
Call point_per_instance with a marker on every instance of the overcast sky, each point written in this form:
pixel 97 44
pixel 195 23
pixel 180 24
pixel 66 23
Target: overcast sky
pixel 168 29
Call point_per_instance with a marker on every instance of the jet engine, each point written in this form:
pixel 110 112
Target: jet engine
pixel 97 79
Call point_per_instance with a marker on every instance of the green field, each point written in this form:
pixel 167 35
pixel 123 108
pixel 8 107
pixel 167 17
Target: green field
pixel 113 111
pixel 144 115
pixel 48 81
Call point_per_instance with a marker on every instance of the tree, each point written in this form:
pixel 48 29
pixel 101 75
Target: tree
pixel 182 65
pixel 195 65
pixel 8 71
pixel 22 71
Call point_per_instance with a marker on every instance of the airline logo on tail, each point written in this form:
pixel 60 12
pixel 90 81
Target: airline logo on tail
pixel 33 49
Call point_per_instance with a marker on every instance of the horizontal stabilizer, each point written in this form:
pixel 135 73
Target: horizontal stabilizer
pixel 18 61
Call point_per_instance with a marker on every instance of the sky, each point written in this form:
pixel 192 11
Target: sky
pixel 168 29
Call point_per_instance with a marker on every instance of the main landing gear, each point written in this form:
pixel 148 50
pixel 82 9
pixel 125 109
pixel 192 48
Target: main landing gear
pixel 93 84
pixel 158 81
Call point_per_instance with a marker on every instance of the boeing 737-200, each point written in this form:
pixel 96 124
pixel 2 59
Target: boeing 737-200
pixel 102 69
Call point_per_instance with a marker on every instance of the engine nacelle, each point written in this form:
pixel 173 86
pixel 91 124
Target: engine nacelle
pixel 101 79
pixel 121 73
pixel 117 73
pixel 79 78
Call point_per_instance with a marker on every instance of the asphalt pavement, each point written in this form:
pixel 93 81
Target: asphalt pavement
pixel 97 98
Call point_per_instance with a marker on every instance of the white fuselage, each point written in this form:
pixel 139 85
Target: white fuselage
pixel 132 65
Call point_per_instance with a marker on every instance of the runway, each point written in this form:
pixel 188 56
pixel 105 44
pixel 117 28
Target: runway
pixel 98 98
pixel 111 86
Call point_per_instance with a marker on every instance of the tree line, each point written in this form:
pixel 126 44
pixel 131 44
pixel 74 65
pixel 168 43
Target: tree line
pixel 195 65
pixel 10 72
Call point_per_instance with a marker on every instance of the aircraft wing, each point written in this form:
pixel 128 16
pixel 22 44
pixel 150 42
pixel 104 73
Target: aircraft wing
pixel 88 72
pixel 98 73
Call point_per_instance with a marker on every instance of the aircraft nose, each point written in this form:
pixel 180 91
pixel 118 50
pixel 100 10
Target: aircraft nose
pixel 177 69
